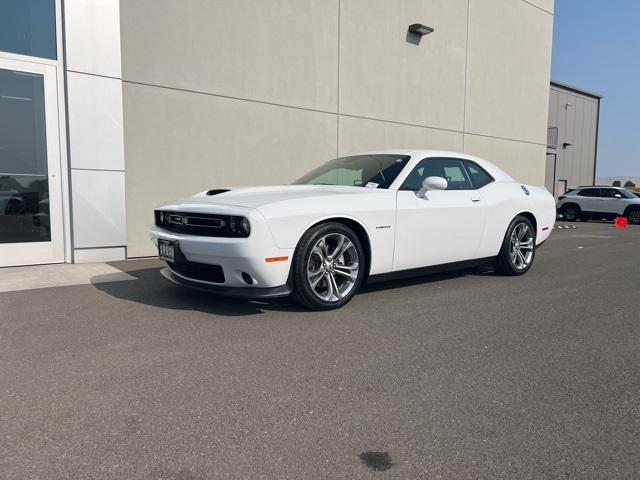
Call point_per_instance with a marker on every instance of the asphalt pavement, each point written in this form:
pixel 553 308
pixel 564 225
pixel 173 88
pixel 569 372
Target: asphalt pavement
pixel 456 376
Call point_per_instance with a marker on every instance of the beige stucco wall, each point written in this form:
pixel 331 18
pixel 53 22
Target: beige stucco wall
pixel 224 92
pixel 179 143
pixel 508 70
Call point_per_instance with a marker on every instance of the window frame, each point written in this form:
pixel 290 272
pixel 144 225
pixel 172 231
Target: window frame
pixel 465 170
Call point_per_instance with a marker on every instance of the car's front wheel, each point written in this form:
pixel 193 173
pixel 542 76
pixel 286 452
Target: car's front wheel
pixel 518 248
pixel 634 216
pixel 328 266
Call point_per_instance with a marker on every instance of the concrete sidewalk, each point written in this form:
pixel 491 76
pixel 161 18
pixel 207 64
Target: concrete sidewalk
pixel 59 275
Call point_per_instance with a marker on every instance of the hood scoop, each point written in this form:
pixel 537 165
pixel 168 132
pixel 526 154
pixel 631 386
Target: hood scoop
pixel 218 191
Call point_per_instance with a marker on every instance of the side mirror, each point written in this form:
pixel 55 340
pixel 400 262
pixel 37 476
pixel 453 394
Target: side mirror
pixel 617 195
pixel 432 183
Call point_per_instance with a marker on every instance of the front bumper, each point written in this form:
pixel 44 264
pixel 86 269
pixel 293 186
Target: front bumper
pixel 237 257
pixel 219 289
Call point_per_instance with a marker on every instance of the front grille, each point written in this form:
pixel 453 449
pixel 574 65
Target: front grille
pixel 199 271
pixel 203 224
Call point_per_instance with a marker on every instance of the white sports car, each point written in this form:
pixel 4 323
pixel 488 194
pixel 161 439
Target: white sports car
pixel 354 219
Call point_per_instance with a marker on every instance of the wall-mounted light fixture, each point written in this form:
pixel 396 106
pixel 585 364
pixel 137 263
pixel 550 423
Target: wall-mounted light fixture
pixel 420 29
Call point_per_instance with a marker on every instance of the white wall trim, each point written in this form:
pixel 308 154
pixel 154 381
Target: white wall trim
pixel 95 118
pixel 106 254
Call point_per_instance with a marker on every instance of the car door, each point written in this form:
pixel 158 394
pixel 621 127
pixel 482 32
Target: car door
pixel 444 227
pixel 609 203
pixel 589 199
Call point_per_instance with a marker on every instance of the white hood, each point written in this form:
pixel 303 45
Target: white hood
pixel 256 197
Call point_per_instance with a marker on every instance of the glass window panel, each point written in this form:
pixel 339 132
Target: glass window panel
pixel 590 192
pixel 479 177
pixel 450 169
pixel 24 179
pixel 28 27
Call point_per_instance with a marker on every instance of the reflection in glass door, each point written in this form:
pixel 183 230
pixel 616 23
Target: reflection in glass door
pixel 24 184
pixel 30 197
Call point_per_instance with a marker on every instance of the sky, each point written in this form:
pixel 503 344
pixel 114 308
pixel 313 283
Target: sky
pixel 596 46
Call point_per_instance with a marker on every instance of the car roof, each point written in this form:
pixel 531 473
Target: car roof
pixel 418 154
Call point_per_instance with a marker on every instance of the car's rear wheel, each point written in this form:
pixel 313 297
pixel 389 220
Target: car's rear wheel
pixel 328 267
pixel 634 216
pixel 518 248
pixel 570 213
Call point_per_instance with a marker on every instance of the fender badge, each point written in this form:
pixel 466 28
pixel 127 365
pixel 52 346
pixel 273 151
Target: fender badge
pixel 524 189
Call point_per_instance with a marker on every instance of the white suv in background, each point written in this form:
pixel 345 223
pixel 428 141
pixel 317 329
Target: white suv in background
pixel 599 202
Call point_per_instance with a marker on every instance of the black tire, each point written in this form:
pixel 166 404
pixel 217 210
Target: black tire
pixel 570 212
pixel 633 215
pixel 504 264
pixel 303 293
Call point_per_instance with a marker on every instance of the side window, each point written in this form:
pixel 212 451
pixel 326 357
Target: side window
pixel 449 168
pixel 610 193
pixel 589 192
pixel 479 177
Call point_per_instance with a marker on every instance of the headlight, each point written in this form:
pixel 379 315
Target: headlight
pixel 245 226
pixel 239 226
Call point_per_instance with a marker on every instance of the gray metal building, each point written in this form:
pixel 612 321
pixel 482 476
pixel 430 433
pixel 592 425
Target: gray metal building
pixel 572 137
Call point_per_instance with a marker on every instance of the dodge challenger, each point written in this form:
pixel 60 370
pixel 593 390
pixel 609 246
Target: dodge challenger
pixel 354 219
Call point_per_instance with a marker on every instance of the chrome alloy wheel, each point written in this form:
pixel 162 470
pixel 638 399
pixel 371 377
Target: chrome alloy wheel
pixel 332 268
pixel 521 246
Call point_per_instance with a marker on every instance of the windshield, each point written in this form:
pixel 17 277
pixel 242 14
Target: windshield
pixel 377 171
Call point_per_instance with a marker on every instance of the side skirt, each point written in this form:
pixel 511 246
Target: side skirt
pixel 598 214
pixel 431 270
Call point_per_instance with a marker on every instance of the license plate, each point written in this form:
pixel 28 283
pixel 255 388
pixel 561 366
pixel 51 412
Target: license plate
pixel 167 251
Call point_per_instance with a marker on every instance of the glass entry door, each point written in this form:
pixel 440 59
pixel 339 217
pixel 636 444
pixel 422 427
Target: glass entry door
pixel 31 229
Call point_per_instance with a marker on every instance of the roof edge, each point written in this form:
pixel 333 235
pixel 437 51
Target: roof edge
pixel 568 86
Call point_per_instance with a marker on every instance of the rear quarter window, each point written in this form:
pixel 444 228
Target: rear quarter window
pixel 478 175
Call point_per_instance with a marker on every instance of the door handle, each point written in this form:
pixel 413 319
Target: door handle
pixel 475 199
